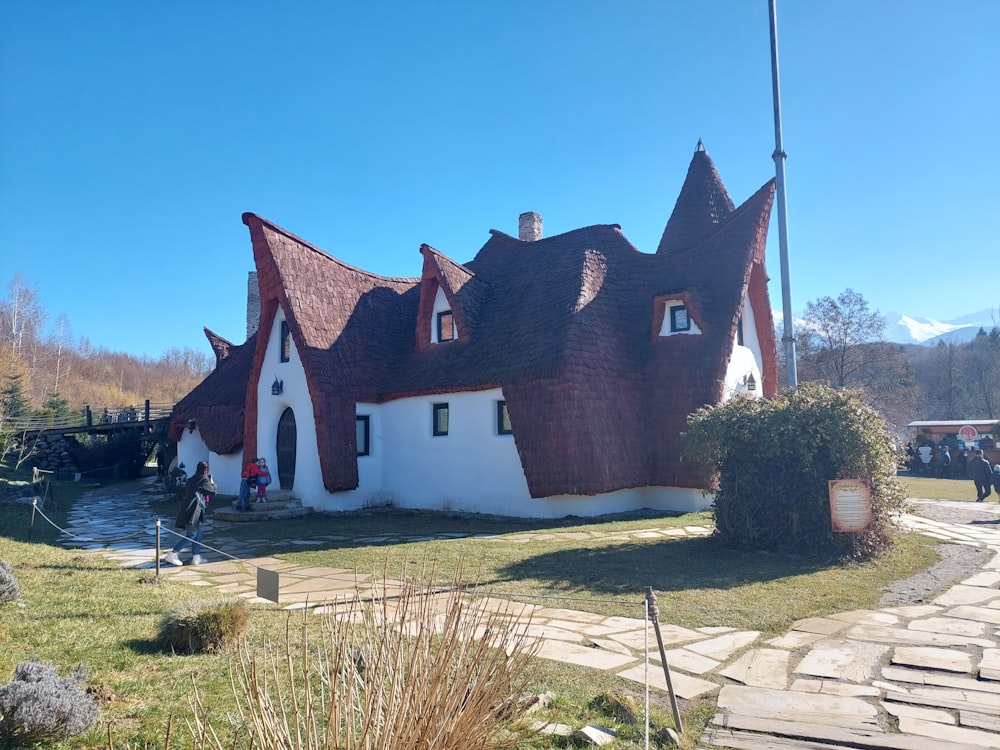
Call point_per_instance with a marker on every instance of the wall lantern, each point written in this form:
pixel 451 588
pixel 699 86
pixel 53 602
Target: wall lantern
pixel 277 387
pixel 191 424
pixel 750 382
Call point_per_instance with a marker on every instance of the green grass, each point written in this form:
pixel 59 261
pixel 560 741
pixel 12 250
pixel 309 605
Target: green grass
pixel 80 607
pixel 929 488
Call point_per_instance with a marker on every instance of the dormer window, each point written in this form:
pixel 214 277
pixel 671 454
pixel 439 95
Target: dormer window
pixel 674 315
pixel 679 319
pixel 445 326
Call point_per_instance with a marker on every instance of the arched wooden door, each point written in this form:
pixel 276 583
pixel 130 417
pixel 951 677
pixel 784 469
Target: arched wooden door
pixel 284 450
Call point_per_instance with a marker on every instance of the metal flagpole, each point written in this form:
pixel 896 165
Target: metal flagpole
pixel 787 338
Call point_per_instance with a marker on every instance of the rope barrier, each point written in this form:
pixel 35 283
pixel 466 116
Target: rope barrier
pixel 647 603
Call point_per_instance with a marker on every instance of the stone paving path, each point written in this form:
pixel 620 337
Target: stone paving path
pixel 914 677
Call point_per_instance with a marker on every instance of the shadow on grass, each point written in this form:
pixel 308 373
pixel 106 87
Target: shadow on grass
pixel 144 646
pixel 701 563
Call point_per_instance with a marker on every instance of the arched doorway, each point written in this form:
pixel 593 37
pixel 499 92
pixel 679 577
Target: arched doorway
pixel 284 450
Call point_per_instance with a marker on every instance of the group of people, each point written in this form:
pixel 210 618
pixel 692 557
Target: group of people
pixel 256 476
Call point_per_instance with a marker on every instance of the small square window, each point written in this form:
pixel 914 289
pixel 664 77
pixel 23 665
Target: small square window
pixel 363 425
pixel 503 419
pixel 286 342
pixel 446 326
pixel 679 319
pixel 440 419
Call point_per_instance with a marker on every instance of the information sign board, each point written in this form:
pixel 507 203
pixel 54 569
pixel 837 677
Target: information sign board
pixel 850 504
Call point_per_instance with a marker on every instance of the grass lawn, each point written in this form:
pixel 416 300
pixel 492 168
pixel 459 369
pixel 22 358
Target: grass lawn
pixel 80 607
pixel 930 488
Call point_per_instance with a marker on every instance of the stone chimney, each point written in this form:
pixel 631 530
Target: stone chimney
pixel 253 305
pixel 529 227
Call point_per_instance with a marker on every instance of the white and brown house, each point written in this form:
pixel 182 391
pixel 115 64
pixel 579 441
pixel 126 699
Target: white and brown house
pixel 547 376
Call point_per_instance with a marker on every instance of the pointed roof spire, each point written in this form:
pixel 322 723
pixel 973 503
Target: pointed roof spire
pixel 702 205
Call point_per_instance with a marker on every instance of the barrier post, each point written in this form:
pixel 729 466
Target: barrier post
pixel 31 526
pixel 655 618
pixel 157 547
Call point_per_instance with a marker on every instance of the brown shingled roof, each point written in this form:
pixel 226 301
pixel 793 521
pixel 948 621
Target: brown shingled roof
pixel 562 324
pixel 703 204
pixel 217 404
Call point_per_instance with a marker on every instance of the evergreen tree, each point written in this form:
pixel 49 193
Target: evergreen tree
pixel 13 402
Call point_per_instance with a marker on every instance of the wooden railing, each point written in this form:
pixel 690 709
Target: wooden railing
pixel 88 418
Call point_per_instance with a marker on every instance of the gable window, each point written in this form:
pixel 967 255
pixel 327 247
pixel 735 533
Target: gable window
pixel 363 427
pixel 739 331
pixel 440 419
pixel 503 419
pixel 445 326
pixel 679 319
pixel 286 342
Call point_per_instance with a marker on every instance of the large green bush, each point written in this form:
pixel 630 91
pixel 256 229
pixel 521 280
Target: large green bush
pixel 773 460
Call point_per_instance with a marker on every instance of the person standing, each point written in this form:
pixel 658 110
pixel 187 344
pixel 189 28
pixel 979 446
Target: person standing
pixel 981 473
pixel 945 462
pixel 263 479
pixel 197 493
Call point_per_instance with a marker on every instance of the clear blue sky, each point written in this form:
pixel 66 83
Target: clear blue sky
pixel 134 134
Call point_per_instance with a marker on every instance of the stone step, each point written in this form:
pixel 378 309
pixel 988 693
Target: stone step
pixel 280 504
pixel 260 512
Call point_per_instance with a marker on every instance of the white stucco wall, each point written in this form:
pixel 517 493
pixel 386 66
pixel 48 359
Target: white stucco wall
pixel 746 359
pixel 471 469
pixel 294 395
pixel 225 471
pixel 191 449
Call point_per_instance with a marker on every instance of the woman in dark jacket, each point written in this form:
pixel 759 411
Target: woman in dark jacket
pixel 197 492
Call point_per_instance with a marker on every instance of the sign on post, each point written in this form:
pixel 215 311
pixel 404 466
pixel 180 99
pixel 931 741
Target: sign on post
pixel 850 504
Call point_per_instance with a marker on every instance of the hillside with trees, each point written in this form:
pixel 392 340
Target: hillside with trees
pixel 44 369
pixel 841 342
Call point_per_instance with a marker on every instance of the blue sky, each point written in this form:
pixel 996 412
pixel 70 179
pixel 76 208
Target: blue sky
pixel 134 135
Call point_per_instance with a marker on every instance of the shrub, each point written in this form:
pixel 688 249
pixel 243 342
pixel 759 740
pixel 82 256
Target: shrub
pixel 40 706
pixel 773 460
pixel 418 670
pixel 196 627
pixel 10 589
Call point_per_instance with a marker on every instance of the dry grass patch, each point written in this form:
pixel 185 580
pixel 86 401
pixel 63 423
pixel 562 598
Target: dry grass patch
pixel 419 670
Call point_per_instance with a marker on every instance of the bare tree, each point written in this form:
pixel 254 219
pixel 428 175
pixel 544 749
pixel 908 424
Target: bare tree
pixel 940 378
pixel 21 316
pixel 61 339
pixel 842 343
pixel 982 372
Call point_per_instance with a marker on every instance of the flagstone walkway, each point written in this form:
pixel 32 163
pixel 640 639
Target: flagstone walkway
pixel 922 676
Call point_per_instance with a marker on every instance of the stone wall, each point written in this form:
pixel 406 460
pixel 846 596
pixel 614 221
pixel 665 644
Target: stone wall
pixel 54 453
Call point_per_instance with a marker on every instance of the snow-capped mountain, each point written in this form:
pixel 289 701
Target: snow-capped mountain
pixel 911 329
